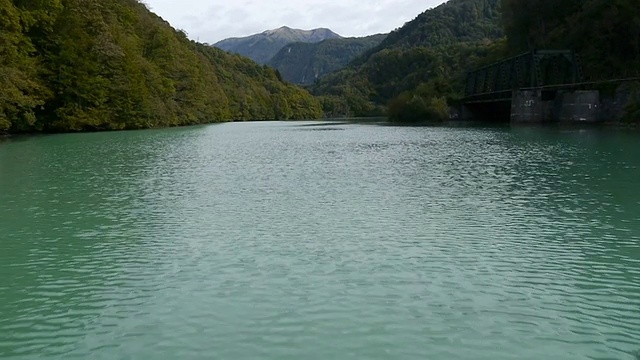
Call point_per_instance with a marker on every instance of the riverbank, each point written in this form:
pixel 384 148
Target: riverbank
pixel 377 120
pixel 621 103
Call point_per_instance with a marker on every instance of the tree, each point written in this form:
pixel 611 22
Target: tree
pixel 76 65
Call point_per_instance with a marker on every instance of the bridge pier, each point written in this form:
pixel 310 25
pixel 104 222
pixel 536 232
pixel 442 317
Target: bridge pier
pixel 535 87
pixel 539 106
pixel 579 106
pixel 527 106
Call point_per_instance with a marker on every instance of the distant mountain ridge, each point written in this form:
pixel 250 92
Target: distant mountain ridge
pixel 264 46
pixel 305 63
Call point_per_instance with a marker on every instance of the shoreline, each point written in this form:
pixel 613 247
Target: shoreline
pixel 632 126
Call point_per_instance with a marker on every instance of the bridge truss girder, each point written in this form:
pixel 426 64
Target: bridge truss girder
pixel 530 70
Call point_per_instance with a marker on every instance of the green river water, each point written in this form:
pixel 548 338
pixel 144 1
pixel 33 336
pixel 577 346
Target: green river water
pixel 321 241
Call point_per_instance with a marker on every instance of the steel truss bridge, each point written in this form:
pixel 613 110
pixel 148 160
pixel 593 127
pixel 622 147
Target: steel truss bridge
pixel 536 70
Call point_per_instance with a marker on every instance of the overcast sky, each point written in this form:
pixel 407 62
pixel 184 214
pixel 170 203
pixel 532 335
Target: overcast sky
pixel 213 20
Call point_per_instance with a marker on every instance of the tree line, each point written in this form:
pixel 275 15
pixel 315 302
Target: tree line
pixel 419 70
pixel 79 65
pixel 416 71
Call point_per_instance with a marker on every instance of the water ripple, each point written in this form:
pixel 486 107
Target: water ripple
pixel 288 241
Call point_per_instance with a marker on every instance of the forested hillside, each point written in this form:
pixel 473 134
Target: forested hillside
pixel 424 61
pixel 419 70
pixel 305 63
pixel 605 33
pixel 74 65
pixel 453 22
pixel 262 47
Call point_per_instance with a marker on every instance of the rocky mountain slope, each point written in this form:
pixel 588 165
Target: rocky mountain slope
pixel 305 63
pixel 264 46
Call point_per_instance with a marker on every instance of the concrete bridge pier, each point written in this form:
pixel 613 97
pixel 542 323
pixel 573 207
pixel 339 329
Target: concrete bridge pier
pixel 527 106
pixel 540 106
pixel 535 87
pixel 579 106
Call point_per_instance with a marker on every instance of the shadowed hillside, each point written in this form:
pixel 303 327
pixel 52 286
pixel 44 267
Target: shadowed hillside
pixel 305 63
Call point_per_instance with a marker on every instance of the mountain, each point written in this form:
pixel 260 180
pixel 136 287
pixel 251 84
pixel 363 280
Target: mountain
pixel 428 55
pixel 304 63
pixel 452 22
pixel 77 65
pixel 262 47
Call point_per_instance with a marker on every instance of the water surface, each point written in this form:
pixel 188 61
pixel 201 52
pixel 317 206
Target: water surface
pixel 321 241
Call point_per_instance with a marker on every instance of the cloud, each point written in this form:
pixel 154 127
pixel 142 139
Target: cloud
pixel 213 20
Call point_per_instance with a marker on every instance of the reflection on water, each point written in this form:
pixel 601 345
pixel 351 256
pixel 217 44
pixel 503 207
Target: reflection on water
pixel 277 240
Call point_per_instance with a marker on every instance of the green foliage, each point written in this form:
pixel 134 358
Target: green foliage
pixel 632 113
pixel 419 64
pixel 305 63
pixel 426 103
pixel 453 22
pixel 440 72
pixel 429 57
pixel 20 90
pixel 75 65
pixel 605 33
pixel 413 107
pixel 631 93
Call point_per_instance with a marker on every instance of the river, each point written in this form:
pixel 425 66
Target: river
pixel 321 241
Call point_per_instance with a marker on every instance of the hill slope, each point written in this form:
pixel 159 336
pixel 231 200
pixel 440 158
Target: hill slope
pixel 262 47
pixel 73 65
pixel 453 22
pixel 430 52
pixel 605 33
pixel 305 63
